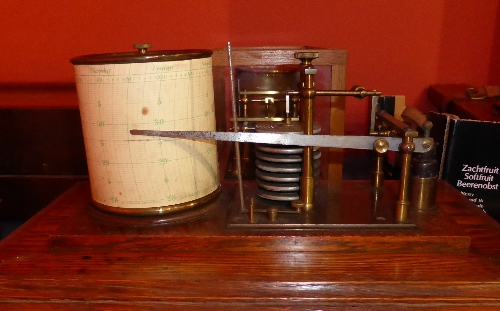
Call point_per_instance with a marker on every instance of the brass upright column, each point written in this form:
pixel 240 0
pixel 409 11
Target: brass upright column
pixel 380 147
pixel 307 94
pixel 406 149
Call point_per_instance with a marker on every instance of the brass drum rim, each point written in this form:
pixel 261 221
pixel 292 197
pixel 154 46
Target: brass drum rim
pixel 160 210
pixel 137 57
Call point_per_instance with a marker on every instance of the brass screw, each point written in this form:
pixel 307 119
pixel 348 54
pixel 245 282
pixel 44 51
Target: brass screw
pixel 426 144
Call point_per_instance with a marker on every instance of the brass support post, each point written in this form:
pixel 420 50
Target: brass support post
pixel 307 94
pixel 378 171
pixel 245 100
pixel 251 212
pixel 406 149
pixel 380 146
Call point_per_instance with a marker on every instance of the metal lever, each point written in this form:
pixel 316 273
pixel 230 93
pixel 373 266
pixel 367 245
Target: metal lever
pixel 415 118
pixel 329 141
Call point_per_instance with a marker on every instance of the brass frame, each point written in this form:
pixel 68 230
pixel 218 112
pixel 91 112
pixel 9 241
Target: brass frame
pixel 273 56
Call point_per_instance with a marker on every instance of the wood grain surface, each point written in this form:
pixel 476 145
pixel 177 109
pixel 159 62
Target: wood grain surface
pixel 38 274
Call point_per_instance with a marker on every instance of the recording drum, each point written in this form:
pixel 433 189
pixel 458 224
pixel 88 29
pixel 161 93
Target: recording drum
pixel 156 90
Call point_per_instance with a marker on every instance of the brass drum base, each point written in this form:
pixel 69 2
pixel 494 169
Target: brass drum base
pixel 164 214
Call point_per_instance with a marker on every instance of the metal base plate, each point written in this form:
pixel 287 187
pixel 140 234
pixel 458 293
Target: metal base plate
pixel 359 207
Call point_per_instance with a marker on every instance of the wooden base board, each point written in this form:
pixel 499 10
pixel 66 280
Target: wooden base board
pixel 353 227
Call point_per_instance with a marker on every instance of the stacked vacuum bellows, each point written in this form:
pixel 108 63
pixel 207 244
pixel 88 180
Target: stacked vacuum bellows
pixel 279 167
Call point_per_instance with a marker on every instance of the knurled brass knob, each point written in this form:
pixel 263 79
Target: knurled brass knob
pixel 142 47
pixel 306 55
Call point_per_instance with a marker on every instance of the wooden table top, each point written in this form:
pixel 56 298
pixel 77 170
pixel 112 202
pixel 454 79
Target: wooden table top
pixel 106 273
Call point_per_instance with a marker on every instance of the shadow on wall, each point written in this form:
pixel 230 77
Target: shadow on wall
pixel 8 227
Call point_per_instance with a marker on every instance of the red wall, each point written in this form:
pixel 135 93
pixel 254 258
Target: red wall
pixel 398 47
pixel 494 77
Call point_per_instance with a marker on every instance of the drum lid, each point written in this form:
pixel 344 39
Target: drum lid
pixel 142 55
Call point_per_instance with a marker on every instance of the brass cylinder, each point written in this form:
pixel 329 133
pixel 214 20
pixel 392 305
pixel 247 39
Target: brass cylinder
pixel 423 193
pixel 424 172
pixel 141 177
